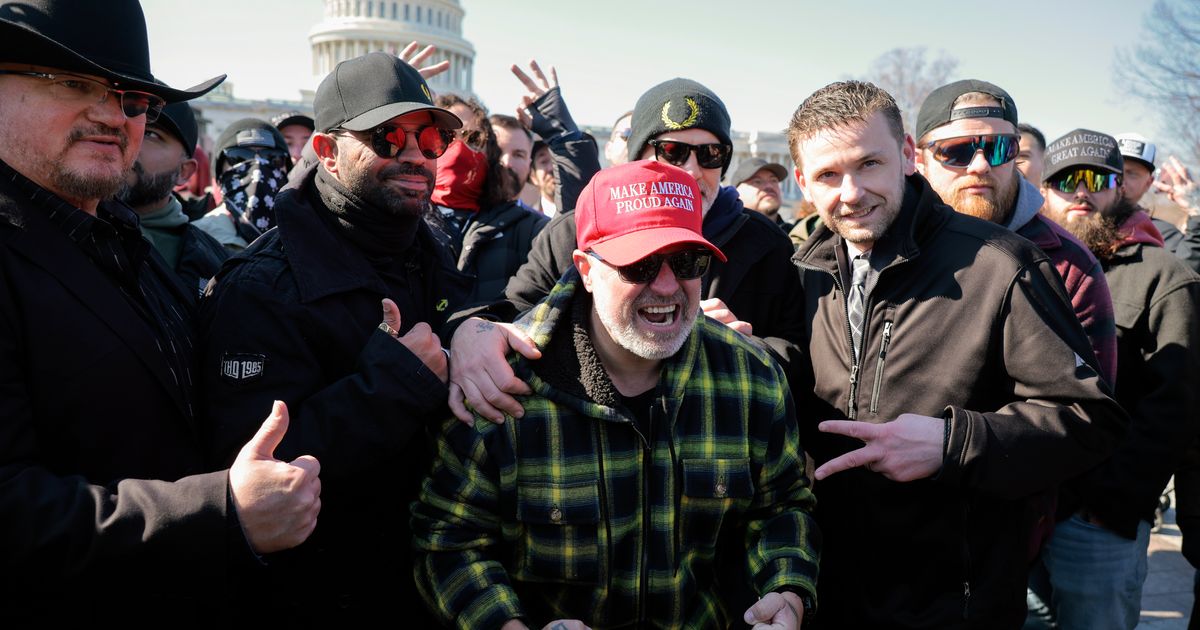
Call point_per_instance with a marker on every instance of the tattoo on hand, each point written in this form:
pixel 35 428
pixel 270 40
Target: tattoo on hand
pixel 559 626
pixel 484 326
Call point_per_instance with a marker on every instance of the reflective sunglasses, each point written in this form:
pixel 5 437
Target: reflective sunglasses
pixel 998 148
pixel 388 141
pixel 1068 181
pixel 687 265
pixel 277 158
pixel 72 88
pixel 676 153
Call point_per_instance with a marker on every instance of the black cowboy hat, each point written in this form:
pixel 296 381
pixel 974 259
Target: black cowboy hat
pixel 103 38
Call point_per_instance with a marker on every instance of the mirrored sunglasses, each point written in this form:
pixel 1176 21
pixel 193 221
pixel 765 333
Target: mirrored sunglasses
pixel 1068 181
pixel 958 152
pixel 388 141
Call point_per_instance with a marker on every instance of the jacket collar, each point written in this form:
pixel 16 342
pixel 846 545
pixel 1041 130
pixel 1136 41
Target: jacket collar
pixel 571 372
pixel 724 218
pixel 1029 203
pixel 921 215
pixel 323 262
pixel 44 245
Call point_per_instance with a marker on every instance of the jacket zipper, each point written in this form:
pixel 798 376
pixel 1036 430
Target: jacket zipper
pixel 852 405
pixel 855 357
pixel 883 346
pixel 966 562
pixel 604 504
pixel 647 466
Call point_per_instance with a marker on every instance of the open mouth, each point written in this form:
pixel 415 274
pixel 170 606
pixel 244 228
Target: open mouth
pixel 659 315
pixel 859 214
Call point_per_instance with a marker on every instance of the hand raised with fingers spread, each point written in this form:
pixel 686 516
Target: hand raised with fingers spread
pixel 479 372
pixel 277 502
pixel 907 448
pixel 535 89
pixel 412 57
pixel 1177 182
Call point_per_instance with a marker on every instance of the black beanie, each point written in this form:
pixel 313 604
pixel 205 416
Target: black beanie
pixel 674 105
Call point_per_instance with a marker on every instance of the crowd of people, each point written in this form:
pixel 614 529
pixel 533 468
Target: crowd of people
pixel 410 361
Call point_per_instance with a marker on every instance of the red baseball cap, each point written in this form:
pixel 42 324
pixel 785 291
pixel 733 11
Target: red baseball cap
pixel 630 211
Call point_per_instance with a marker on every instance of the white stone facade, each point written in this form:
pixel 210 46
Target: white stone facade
pixel 356 27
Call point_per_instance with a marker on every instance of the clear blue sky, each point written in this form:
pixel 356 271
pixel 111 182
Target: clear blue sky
pixel 762 58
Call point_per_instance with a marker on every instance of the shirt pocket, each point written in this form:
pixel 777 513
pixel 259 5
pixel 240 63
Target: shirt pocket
pixel 712 489
pixel 561 541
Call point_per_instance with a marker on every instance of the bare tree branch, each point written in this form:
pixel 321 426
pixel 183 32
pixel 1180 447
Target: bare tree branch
pixel 909 77
pixel 1163 70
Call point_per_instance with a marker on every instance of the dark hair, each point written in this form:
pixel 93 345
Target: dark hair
pixel 1033 131
pixel 473 131
pixel 501 185
pixel 839 104
pixel 510 123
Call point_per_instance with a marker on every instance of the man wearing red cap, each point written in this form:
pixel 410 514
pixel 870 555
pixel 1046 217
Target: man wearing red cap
pixel 656 477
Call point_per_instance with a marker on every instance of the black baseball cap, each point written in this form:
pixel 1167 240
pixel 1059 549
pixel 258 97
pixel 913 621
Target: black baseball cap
pixel 294 118
pixel 938 108
pixel 1083 148
pixel 247 132
pixel 363 92
pixel 180 121
pixel 748 167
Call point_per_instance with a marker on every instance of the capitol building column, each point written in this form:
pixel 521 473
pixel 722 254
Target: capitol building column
pixel 352 28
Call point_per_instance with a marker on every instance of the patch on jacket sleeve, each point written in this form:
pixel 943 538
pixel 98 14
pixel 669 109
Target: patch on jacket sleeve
pixel 242 368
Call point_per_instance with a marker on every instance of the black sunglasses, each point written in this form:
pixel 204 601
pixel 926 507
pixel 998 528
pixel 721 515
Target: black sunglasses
pixel 274 157
pixel 998 148
pixel 676 153
pixel 388 141
pixel 687 265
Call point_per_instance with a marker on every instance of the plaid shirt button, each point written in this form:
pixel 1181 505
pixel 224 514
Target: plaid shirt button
pixel 555 514
pixel 720 489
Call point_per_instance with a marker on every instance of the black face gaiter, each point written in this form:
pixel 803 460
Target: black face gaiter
pixel 249 190
pixel 379 232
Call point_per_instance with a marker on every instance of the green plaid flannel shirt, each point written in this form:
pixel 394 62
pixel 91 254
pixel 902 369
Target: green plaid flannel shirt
pixel 569 512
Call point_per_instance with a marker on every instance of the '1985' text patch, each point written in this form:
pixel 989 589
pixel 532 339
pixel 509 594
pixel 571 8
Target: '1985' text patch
pixel 242 368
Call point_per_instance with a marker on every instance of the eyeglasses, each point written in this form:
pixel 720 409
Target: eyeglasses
pixel 676 153
pixel 687 265
pixel 958 152
pixel 1068 181
pixel 274 157
pixel 72 88
pixel 388 141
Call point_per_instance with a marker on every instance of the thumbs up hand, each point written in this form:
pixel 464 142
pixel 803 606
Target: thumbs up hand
pixel 420 340
pixel 277 502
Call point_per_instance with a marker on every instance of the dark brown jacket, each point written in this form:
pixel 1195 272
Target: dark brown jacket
pixel 966 321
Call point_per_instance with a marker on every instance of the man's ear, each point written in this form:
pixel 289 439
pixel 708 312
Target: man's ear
pixel 326 148
pixel 802 183
pixel 920 161
pixel 583 263
pixel 186 170
pixel 908 150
